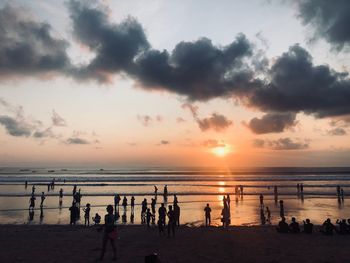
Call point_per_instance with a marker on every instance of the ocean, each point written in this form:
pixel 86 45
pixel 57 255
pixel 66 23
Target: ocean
pixel 194 187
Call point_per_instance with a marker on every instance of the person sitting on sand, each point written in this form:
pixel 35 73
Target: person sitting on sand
pixel 110 233
pixel 87 214
pixel 343 227
pixel 308 226
pixel 294 226
pixel 282 226
pixel 162 214
pixel 97 219
pixel 207 211
pixel 171 221
pixel 327 227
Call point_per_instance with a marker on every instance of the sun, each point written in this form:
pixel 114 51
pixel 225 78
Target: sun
pixel 220 151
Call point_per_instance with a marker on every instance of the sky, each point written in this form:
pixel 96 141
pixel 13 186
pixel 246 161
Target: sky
pixel 174 83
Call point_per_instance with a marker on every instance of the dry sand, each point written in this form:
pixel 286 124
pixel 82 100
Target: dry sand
pixel 49 243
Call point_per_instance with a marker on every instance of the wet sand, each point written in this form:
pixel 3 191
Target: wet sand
pixel 57 243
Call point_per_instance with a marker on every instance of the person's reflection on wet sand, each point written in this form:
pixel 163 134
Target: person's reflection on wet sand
pixel 31 215
pixel 124 219
pixel 132 217
pixel 41 215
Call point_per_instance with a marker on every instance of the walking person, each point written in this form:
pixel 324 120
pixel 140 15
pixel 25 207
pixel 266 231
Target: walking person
pixel 110 233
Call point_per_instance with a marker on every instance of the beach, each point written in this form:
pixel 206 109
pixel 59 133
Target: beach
pixel 59 243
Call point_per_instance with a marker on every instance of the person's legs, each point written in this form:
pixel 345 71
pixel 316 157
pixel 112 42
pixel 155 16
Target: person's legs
pixel 113 248
pixel 173 225
pixel 104 243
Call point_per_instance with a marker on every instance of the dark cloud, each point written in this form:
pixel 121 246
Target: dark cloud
pixel 272 123
pixel 27 47
pixel 47 133
pixel 296 85
pixel 280 144
pixel 211 143
pixel 164 142
pixel 77 140
pixel 216 122
pixel 330 20
pixel 15 127
pixel 148 120
pixel 337 132
pixel 57 120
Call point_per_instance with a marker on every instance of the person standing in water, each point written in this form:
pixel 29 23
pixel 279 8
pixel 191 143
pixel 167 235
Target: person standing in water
pixel 281 209
pixel 165 191
pixel 155 191
pixel 25 184
pixel 42 199
pixel 32 202
pixel 125 203
pixel 207 210
pixel 132 204
pixel 268 212
pixel 110 233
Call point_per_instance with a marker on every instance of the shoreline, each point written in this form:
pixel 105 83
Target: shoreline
pixel 62 243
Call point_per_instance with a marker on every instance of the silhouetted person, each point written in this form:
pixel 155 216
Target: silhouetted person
pixel 148 217
pixel 74 189
pixel 275 191
pixel 294 226
pixel 225 216
pixel 97 219
pixel 61 194
pixel 125 203
pixel 33 189
pixel 132 203
pixel 241 190
pixel 228 201
pixel 308 226
pixel 302 188
pixel 42 199
pixel 155 191
pixel 327 227
pixel 207 211
pixel 268 212
pixel 175 200
pixel 171 221
pixel 153 206
pixel 162 214
pixel 281 208
pixel 342 194
pixel 110 233
pixel 282 226
pixel 338 191
pixel 74 213
pixel 41 217
pixel 143 210
pixel 165 191
pixel 116 203
pixel 32 202
pixel 87 214
pixel 177 214
pixel 25 184
pixel 343 227
pixel 224 201
pixel 261 198
pixel 298 188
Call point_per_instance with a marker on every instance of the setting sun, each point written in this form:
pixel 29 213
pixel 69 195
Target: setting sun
pixel 221 151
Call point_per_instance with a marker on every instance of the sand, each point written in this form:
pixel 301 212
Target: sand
pixel 57 243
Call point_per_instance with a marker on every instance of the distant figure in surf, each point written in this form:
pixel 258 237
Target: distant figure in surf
pixel 42 199
pixel 165 191
pixel 177 214
pixel 275 191
pixel 261 197
pixel 61 194
pixel 207 211
pixel 268 212
pixel 175 200
pixel 228 201
pixel 48 187
pixel 262 216
pixel 143 210
pixel 25 184
pixel 116 203
pixel 155 191
pixel 342 194
pixel 32 202
pixel 132 203
pixel 33 189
